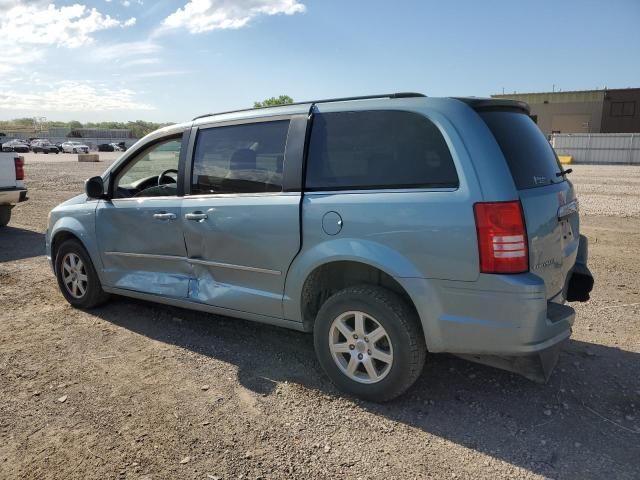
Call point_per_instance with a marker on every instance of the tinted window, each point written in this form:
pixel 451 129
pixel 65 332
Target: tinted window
pixel 532 161
pixel 240 158
pixel 377 149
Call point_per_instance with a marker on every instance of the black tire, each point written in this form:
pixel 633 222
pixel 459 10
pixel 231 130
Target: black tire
pixel 5 214
pixel 402 327
pixel 75 151
pixel 93 295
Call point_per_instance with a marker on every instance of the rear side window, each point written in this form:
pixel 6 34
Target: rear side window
pixel 245 158
pixel 377 149
pixel 532 161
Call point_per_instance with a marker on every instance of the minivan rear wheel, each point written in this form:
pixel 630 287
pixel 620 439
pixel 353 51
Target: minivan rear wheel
pixel 77 277
pixel 369 342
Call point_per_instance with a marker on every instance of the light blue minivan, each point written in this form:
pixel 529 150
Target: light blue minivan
pixel 387 225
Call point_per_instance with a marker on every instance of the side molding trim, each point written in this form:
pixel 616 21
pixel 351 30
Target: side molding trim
pixel 196 261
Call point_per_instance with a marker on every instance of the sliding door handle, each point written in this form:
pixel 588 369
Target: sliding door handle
pixel 197 216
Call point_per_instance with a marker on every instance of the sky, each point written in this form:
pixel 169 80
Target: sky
pixel 170 60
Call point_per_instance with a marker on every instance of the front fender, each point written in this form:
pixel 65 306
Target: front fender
pixel 341 249
pixel 81 226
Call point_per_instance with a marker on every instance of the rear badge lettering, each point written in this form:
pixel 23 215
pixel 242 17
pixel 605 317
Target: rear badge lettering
pixel 540 180
pixel 544 264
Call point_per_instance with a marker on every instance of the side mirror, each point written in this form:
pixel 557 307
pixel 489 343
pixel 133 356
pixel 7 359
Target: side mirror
pixel 94 188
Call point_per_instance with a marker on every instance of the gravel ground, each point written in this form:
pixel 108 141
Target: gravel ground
pixel 141 391
pixel 608 190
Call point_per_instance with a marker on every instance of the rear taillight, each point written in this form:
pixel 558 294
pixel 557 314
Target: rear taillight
pixel 19 163
pixel 502 237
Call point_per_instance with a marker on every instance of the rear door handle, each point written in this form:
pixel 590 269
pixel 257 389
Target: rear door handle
pixel 164 216
pixel 197 216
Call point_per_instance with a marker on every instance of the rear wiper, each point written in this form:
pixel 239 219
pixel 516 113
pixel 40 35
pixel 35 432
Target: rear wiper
pixel 562 173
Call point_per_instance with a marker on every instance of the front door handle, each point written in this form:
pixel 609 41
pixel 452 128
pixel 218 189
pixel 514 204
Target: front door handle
pixel 197 216
pixel 164 216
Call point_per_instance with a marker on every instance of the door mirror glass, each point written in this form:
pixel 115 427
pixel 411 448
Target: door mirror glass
pixel 94 187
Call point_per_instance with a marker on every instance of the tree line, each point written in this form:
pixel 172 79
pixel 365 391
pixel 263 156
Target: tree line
pixel 139 128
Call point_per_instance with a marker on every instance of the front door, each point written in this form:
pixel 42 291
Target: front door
pixel 240 227
pixel 139 228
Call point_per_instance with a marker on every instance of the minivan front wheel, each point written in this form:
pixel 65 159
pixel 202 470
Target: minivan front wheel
pixel 369 342
pixel 77 277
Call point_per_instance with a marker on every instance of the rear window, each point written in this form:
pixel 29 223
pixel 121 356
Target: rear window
pixel 532 161
pixel 377 149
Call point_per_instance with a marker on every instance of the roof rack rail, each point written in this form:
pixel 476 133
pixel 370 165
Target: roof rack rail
pixel 326 100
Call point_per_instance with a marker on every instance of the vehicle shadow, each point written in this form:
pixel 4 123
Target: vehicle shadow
pixel 18 243
pixel 576 426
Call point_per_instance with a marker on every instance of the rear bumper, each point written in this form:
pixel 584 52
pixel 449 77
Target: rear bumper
pixel 535 366
pixel 500 320
pixel 498 315
pixel 12 196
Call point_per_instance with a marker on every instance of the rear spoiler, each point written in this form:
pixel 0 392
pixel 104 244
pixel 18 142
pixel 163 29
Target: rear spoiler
pixel 495 104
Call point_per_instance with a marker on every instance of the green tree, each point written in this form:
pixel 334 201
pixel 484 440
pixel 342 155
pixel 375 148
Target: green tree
pixel 270 102
pixel 138 129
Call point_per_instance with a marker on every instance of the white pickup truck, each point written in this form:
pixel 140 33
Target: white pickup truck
pixel 12 189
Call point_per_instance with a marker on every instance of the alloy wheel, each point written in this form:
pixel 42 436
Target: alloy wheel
pixel 74 275
pixel 361 347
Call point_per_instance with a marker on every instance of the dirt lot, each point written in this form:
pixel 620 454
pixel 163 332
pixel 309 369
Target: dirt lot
pixel 135 390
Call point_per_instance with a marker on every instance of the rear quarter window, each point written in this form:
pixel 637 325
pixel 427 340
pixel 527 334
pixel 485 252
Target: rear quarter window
pixel 377 149
pixel 531 159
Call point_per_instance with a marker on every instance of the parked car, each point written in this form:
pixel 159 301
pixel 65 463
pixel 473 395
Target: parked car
pixel 106 147
pixel 12 189
pixel 44 146
pixel 109 147
pixel 15 145
pixel 388 226
pixel 74 147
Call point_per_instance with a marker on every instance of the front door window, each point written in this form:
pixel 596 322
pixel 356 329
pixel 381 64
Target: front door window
pixel 153 173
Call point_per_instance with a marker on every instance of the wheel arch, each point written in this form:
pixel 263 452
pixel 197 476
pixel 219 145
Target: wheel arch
pixel 359 251
pixel 69 228
pixel 332 276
